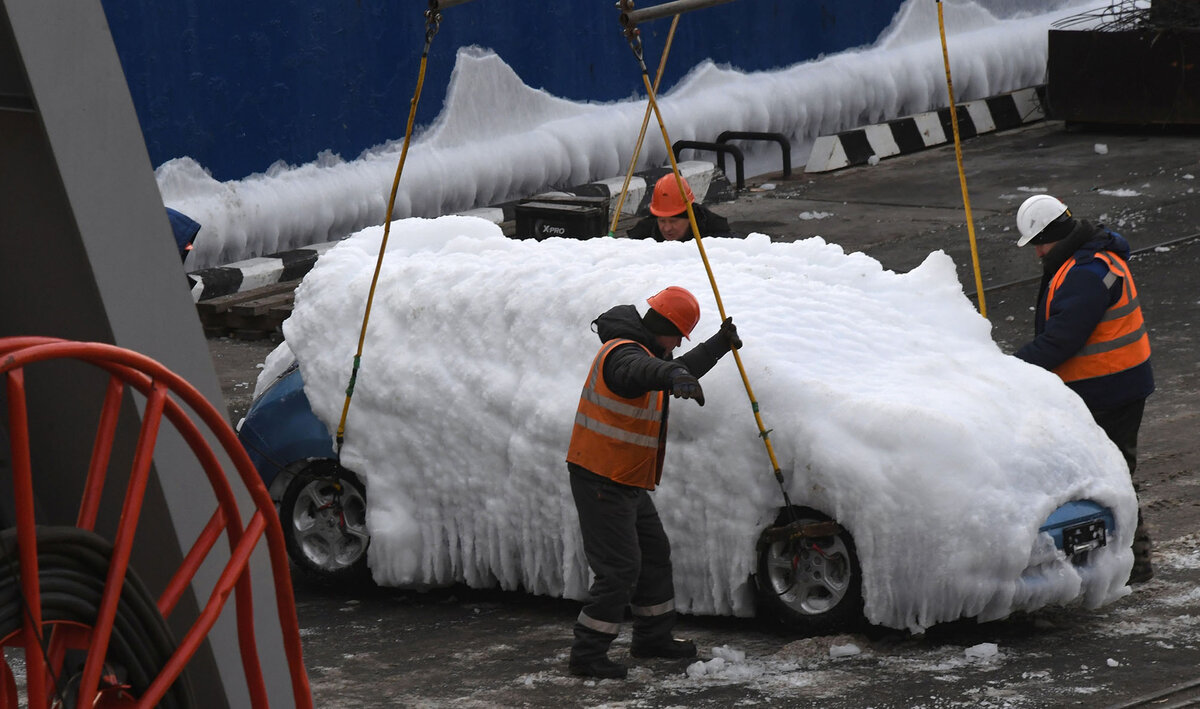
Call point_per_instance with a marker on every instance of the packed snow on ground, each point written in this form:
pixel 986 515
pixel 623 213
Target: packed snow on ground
pixel 890 409
pixel 498 139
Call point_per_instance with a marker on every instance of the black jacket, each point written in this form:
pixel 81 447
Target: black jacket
pixel 630 372
pixel 1079 304
pixel 710 224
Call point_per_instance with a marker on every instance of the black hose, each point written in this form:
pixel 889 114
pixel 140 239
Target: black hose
pixel 136 614
pixel 72 569
pixel 137 601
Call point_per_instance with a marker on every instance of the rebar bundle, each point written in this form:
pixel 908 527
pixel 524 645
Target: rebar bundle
pixel 1122 15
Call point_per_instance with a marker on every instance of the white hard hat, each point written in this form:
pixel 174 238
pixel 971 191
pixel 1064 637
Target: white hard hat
pixel 1036 213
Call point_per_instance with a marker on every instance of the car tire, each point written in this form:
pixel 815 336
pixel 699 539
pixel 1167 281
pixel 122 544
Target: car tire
pixel 809 584
pixel 324 518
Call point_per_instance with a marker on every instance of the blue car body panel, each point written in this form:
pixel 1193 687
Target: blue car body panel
pixel 1076 513
pixel 281 428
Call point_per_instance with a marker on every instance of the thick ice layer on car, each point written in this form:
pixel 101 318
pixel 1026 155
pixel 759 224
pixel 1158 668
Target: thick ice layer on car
pixel 890 408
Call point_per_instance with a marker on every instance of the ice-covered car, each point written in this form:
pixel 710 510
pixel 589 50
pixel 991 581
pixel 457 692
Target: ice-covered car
pixel 932 477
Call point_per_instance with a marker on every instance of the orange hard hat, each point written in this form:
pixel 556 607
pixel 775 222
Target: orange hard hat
pixel 665 202
pixel 679 306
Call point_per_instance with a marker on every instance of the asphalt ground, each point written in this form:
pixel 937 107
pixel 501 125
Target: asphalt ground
pixel 369 647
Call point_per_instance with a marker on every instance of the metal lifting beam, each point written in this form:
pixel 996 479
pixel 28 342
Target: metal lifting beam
pixel 631 17
pixel 443 4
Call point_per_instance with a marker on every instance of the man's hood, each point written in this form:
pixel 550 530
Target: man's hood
pixel 1082 243
pixel 1104 239
pixel 624 322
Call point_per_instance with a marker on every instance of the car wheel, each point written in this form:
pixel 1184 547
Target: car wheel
pixel 324 518
pixel 808 577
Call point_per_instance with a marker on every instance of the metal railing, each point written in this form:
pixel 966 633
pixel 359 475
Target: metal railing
pixel 784 144
pixel 721 149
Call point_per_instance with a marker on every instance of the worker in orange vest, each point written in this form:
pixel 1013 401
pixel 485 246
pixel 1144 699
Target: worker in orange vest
pixel 1089 330
pixel 615 459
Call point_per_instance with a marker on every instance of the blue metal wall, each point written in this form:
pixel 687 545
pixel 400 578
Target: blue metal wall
pixel 239 85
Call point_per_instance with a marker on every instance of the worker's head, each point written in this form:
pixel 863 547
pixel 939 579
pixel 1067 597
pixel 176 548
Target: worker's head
pixel 673 314
pixel 669 206
pixel 1043 221
pixel 666 200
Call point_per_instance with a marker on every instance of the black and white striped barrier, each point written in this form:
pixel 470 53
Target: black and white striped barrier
pixel 926 130
pixel 255 273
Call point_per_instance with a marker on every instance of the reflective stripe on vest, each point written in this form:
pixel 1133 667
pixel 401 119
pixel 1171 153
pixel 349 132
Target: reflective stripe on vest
pixel 1119 341
pixel 614 436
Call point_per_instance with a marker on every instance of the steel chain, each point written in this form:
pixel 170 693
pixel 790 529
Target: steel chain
pixel 433 18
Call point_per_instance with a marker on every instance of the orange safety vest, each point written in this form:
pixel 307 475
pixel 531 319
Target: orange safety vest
pixel 1119 341
pixel 615 436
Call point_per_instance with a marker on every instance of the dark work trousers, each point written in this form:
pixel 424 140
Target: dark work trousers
pixel 630 558
pixel 1122 424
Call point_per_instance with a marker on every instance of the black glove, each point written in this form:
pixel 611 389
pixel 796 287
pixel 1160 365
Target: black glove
pixel 686 386
pixel 729 332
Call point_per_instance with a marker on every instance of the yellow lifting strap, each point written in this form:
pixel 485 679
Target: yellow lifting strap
pixel 962 176
pixel 433 18
pixel 637 148
pixel 632 34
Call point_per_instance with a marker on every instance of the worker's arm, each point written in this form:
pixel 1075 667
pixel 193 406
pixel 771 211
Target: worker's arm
pixel 1077 308
pixel 705 355
pixel 631 371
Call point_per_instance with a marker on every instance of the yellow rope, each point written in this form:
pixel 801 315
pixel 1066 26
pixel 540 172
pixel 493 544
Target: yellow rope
pixel 633 35
pixel 387 226
pixel 962 177
pixel 637 148
pixel 763 432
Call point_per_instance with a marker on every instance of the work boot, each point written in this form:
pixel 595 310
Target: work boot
pixel 1142 570
pixel 600 667
pixel 589 655
pixel 669 648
